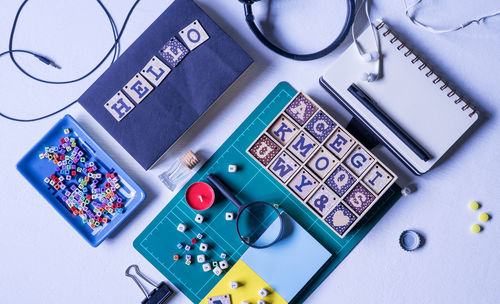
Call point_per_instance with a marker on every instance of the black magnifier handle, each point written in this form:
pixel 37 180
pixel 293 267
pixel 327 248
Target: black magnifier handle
pixel 224 189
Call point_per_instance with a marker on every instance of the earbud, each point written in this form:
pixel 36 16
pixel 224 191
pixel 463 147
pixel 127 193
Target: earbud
pixel 370 57
pixel 369 77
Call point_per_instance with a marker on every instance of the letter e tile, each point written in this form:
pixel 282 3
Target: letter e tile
pixel 339 143
pixel 138 88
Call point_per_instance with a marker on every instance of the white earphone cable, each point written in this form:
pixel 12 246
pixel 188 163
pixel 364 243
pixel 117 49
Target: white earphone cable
pixel 411 9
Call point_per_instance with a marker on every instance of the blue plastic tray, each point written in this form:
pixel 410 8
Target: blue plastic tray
pixel 35 170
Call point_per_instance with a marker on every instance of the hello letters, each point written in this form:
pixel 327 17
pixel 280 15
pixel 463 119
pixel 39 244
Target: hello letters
pixel 155 71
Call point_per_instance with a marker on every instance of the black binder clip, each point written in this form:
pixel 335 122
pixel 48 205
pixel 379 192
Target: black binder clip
pixel 159 295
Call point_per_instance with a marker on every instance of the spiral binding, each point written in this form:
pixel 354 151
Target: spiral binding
pixel 400 45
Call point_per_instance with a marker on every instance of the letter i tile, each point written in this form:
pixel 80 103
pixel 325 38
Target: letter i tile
pixel 377 178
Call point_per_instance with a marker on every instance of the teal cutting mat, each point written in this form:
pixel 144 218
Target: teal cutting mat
pixel 157 243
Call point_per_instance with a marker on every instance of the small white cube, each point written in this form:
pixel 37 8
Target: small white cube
pixel 198 218
pixel 206 267
pixel 223 255
pixel 217 271
pixel 181 227
pixel 234 285
pixel 232 168
pixel 229 216
pixel 199 236
pixel 203 247
pixel 200 258
pixel 263 293
pixel 223 264
pixel 245 302
pixel 261 302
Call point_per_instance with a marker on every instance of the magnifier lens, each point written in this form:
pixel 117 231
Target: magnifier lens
pixel 256 219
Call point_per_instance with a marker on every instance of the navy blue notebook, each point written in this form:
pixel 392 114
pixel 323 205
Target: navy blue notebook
pixel 165 81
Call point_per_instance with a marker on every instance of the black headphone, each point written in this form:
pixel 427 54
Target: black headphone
pixel 247 4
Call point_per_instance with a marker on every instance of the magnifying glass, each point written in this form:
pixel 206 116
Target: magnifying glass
pixel 253 220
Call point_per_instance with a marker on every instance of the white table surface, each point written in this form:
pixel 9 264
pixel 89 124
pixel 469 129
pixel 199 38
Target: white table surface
pixel 43 260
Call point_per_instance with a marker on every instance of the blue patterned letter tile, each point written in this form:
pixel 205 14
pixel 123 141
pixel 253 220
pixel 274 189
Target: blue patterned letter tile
pixel 340 180
pixel 301 109
pixel 340 219
pixel 359 199
pixel 320 126
pixel 173 52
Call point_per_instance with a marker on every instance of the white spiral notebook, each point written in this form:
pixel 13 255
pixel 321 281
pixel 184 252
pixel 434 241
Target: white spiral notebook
pixel 420 102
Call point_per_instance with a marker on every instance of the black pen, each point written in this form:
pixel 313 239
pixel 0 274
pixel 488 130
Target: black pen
pixel 387 121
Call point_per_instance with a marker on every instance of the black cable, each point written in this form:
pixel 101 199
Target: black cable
pixel 115 49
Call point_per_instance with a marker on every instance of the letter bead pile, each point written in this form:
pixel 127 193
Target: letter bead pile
pixel 321 164
pixel 82 185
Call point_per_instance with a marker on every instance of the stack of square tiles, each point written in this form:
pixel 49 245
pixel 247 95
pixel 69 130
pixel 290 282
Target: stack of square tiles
pixel 323 165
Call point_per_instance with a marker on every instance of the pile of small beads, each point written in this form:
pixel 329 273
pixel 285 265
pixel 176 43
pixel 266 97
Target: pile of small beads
pixel 87 193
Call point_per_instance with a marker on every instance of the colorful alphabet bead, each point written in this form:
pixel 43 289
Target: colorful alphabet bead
pixel 181 227
pixel 229 216
pixel 199 218
pixel 80 183
pixel 321 164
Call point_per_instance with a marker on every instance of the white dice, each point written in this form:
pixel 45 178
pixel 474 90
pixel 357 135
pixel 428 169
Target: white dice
pixel 229 216
pixel 181 227
pixel 223 255
pixel 203 247
pixel 199 218
pixel 217 271
pixel 263 293
pixel 206 267
pixel 200 258
pixel 232 168
pixel 234 285
pixel 261 302
pixel 223 264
